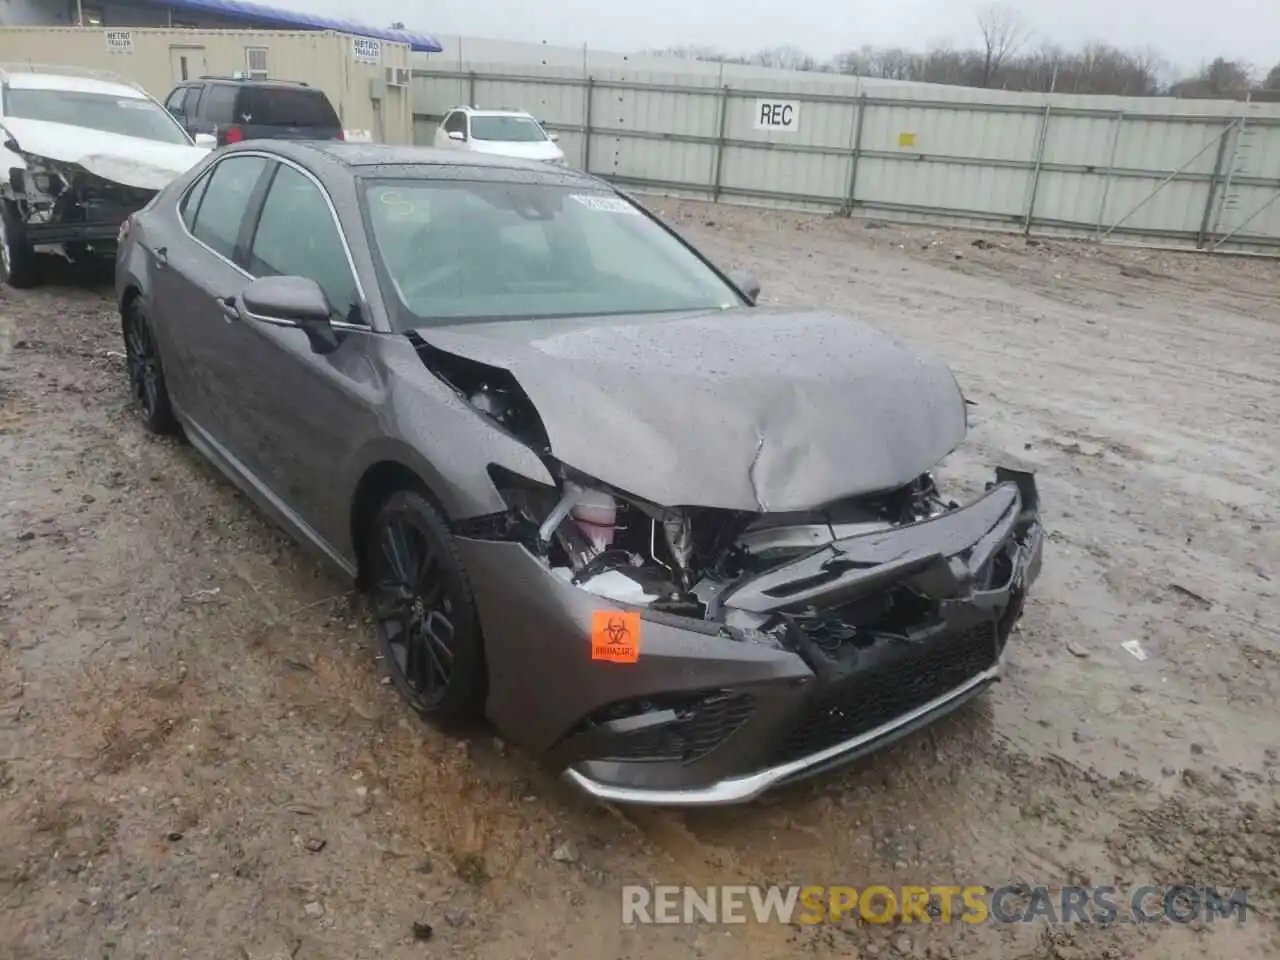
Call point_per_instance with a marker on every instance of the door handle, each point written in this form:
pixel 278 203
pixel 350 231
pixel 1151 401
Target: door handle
pixel 228 307
pixel 162 257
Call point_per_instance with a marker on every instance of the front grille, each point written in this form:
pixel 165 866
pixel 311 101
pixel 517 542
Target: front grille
pixel 697 729
pixel 880 695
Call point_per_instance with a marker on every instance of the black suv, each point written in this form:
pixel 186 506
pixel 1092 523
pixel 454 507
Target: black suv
pixel 236 110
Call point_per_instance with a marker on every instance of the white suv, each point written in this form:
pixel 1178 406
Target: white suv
pixel 81 151
pixel 506 133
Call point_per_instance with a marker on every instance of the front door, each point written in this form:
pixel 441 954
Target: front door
pixel 186 63
pixel 192 281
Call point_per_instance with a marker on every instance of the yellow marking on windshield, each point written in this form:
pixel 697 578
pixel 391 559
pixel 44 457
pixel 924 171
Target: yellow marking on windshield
pixel 394 199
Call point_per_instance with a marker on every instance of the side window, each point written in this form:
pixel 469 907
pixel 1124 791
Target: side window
pixel 191 105
pixel 190 205
pixel 456 122
pixel 174 103
pixel 219 103
pixel 298 237
pixel 217 222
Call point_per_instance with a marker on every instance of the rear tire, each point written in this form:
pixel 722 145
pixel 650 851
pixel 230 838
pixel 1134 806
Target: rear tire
pixel 146 375
pixel 424 611
pixel 18 265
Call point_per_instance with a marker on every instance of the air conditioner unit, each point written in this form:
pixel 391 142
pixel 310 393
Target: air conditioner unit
pixel 398 76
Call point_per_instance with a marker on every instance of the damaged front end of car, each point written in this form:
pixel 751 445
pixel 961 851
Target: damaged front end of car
pixel 71 191
pixel 65 207
pixel 766 647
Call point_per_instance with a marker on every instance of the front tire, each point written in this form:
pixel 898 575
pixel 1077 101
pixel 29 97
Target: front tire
pixel 424 610
pixel 146 375
pixel 18 265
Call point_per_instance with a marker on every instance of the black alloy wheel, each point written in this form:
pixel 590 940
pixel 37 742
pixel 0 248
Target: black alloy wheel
pixel 146 375
pixel 423 609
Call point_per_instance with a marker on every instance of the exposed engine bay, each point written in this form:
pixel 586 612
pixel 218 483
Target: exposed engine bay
pixel 64 205
pixel 682 561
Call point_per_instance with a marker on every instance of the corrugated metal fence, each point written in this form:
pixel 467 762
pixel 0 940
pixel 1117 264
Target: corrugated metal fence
pixel 1199 174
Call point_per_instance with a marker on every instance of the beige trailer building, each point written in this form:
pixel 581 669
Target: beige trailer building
pixel 367 79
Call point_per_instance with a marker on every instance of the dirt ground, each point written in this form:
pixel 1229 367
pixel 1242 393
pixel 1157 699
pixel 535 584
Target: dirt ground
pixel 198 758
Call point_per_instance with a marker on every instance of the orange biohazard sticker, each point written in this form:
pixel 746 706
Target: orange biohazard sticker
pixel 615 636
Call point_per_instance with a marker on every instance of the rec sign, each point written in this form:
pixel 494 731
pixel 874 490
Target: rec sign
pixel 782 116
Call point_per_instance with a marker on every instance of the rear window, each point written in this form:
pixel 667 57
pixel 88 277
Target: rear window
pixel 285 107
pixel 219 104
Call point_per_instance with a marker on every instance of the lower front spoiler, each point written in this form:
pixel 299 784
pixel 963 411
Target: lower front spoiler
pixel 99 232
pixel 741 789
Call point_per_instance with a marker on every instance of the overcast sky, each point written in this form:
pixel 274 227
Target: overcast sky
pixel 1184 32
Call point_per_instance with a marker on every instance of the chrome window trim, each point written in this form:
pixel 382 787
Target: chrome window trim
pixel 294 325
pixel 333 214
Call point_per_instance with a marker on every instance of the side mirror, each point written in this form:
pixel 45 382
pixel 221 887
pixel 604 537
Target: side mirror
pixel 206 140
pixel 747 285
pixel 292 302
pixel 458 135
pixel 553 137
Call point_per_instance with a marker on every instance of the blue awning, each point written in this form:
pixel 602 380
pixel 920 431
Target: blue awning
pixel 261 15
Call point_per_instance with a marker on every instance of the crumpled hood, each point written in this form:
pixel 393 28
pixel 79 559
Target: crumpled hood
pixel 745 409
pixel 132 161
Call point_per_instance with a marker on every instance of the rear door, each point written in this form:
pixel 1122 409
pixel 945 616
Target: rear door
pixel 191 107
pixel 286 113
pixel 300 413
pixel 173 103
pixel 194 275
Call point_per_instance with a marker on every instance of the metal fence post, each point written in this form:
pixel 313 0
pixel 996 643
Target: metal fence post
pixel 849 195
pixel 1231 165
pixel 1161 185
pixel 1035 173
pixel 1106 183
pixel 586 125
pixel 1213 184
pixel 471 89
pixel 724 125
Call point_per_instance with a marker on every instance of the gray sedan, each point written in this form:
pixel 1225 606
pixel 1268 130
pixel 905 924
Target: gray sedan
pixel 684 547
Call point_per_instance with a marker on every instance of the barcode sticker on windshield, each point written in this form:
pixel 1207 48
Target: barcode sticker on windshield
pixel 604 204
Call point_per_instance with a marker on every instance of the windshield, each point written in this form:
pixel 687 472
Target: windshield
pixel 480 250
pixel 508 129
pixel 129 116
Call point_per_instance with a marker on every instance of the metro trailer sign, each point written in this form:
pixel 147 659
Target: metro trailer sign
pixel 779 116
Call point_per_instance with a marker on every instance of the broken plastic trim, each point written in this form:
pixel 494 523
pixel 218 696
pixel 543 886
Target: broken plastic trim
pixel 64 203
pixel 493 393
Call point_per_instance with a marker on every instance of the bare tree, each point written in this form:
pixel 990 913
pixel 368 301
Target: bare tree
pixel 1273 79
pixel 1003 31
pixel 1221 79
pixel 787 58
pixel 694 52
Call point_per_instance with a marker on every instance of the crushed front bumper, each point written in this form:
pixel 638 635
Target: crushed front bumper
pixel 718 711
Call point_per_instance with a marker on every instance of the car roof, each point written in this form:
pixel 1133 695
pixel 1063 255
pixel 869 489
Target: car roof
pixel 477 112
pixel 428 161
pixel 57 81
pixel 261 84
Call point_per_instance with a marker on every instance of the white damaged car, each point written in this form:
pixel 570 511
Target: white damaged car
pixel 80 151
